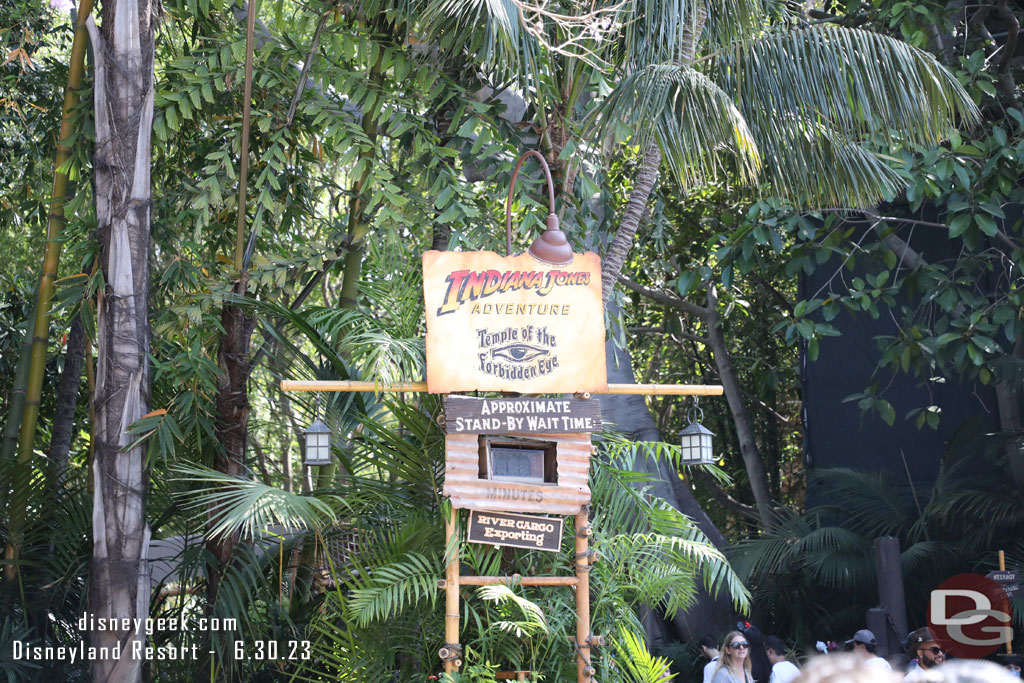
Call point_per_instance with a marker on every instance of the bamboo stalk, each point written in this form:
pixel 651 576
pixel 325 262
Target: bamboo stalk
pixel 421 387
pixel 40 329
pixel 584 671
pixel 54 230
pixel 16 406
pixel 1006 606
pixel 451 593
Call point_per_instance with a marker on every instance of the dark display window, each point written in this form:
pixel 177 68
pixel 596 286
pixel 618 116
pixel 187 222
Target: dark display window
pixel 508 458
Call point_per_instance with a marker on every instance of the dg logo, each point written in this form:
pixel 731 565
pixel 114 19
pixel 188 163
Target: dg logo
pixel 970 616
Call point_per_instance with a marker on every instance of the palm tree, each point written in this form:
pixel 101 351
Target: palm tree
pixel 744 87
pixel 747 88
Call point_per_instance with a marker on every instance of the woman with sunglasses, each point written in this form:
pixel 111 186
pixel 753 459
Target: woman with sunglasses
pixel 734 662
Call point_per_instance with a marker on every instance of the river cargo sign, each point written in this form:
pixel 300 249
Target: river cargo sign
pixel 517 531
pixel 521 415
pixel 513 323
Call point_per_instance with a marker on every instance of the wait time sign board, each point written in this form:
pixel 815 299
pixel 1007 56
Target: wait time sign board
pixel 513 323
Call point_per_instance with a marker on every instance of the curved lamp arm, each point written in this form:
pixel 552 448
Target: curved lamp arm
pixel 552 246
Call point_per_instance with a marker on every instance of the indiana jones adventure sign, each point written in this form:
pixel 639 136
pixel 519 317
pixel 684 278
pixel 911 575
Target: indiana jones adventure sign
pixel 513 323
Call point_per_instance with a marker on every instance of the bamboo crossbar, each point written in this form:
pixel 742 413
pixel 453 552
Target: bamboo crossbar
pixel 521 580
pixel 352 385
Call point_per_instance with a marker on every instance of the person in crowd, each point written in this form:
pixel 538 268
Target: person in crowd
pixel 760 667
pixel 842 668
pixel 783 670
pixel 1012 664
pixel 865 645
pixel 734 662
pixel 922 645
pixel 709 646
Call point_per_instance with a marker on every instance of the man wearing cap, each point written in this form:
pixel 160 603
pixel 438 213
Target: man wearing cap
pixel 921 644
pixel 865 645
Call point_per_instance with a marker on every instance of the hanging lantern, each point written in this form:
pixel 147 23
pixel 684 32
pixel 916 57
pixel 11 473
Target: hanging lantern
pixel 318 442
pixel 695 440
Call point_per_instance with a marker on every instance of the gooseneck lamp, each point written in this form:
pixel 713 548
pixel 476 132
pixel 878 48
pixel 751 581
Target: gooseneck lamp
pixel 551 246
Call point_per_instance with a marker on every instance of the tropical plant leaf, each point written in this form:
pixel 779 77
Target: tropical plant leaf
pixel 249 507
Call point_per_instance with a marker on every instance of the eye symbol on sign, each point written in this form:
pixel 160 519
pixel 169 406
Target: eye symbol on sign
pixel 518 353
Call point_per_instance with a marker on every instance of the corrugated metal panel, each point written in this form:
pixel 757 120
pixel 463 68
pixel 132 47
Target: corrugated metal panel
pixel 463 484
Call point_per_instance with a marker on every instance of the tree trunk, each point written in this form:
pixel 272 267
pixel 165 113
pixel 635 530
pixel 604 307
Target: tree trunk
pixel 123 91
pixel 623 240
pixel 67 400
pixel 740 416
pixel 232 422
pixel 630 415
pixel 1010 418
pixel 16 402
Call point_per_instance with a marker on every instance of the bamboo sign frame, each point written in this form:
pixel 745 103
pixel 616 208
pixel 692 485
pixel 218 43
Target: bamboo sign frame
pixel 532 324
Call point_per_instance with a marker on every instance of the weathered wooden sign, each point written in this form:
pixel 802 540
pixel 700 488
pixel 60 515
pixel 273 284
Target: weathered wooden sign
pixel 521 415
pixel 517 531
pixel 513 323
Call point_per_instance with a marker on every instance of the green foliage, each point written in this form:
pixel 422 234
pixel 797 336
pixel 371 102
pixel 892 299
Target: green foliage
pixel 637 664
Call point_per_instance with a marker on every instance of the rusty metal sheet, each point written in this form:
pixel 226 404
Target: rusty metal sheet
pixel 467 490
pixel 513 323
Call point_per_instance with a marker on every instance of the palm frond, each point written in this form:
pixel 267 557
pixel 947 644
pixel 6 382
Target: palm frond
pixel 490 30
pixel 531 618
pixel 696 123
pixel 395 586
pixel 854 84
pixel 248 507
pixel 812 164
pixel 638 664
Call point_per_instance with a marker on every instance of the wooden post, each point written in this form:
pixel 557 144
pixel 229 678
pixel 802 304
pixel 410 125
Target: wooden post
pixel 450 654
pixel 878 624
pixel 890 589
pixel 1006 606
pixel 584 670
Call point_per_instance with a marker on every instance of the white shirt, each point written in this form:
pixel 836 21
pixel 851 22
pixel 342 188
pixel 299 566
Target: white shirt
pixel 784 672
pixel 709 670
pixel 876 663
pixel 920 674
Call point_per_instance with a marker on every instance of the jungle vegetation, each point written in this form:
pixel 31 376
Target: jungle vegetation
pixel 710 153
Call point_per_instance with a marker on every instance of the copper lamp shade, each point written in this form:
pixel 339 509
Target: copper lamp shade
pixel 551 246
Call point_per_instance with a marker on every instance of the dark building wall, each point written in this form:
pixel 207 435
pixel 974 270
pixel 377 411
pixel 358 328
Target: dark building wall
pixel 838 434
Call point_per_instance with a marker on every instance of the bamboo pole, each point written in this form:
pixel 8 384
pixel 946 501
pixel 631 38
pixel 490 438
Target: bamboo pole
pixel 40 329
pixel 584 670
pixel 54 229
pixel 1006 606
pixel 451 594
pixel 421 387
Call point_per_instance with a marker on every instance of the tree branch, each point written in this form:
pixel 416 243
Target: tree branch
pixel 666 298
pixel 719 494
